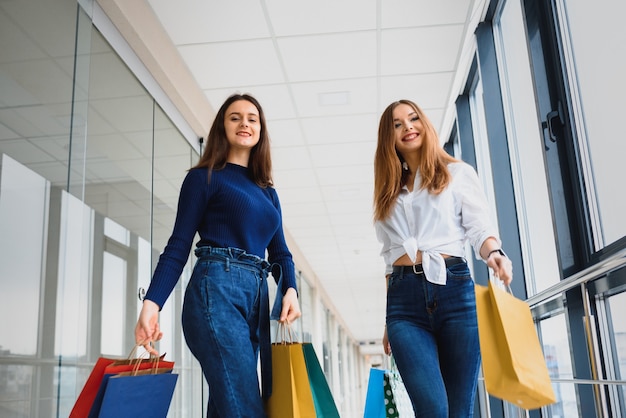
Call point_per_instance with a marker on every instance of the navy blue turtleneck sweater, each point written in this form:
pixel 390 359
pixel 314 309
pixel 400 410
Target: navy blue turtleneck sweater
pixel 230 210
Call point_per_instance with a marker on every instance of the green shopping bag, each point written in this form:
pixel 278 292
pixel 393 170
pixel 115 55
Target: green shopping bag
pixel 322 396
pixel 391 410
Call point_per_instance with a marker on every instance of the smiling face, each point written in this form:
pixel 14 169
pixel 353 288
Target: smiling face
pixel 408 129
pixel 242 125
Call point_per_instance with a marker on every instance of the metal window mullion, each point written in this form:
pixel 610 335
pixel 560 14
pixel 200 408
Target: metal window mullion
pixel 594 354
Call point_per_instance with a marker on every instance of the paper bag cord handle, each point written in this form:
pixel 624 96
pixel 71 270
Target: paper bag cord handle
pixel 288 335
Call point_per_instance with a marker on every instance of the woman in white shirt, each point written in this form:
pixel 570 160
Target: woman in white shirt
pixel 427 204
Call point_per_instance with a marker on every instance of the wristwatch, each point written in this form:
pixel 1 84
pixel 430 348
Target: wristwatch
pixel 497 250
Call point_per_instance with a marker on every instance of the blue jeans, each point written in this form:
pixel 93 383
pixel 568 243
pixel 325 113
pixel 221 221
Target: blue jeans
pixel 221 325
pixel 433 332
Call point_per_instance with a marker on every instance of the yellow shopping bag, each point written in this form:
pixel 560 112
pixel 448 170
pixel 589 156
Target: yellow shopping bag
pixel 513 363
pixel 291 392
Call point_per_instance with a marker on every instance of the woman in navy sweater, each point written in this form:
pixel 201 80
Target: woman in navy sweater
pixel 228 199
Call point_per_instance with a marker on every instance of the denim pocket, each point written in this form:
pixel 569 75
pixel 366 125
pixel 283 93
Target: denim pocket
pixel 393 280
pixel 459 271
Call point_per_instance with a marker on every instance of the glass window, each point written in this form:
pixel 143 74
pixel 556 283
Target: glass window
pixel 617 313
pixel 556 349
pixel 525 144
pixel 74 274
pixel 113 305
pixel 23 223
pixel 306 307
pixel 597 37
pixel 116 231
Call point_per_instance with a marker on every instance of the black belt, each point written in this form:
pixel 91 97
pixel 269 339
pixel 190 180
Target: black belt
pixel 418 269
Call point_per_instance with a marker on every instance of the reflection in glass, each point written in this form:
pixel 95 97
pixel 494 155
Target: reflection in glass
pixel 23 223
pixel 15 390
pixel 617 308
pixel 526 150
pixel 596 36
pixel 113 305
pixel 306 307
pixel 556 349
pixel 116 231
pixel 99 208
pixel 74 273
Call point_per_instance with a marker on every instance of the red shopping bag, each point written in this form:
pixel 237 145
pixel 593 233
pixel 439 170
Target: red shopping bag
pixel 105 366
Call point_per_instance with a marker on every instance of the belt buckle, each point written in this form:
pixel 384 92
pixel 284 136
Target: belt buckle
pixel 417 272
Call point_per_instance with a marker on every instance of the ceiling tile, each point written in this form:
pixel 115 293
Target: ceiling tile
pixel 341 128
pixel 234 65
pixel 275 99
pixel 355 174
pixel 362 97
pixel 285 133
pixel 351 192
pixel 408 13
pixel 288 158
pixel 297 182
pixel 420 50
pixel 428 91
pixel 198 21
pixel 342 155
pixel 290 17
pixel 328 57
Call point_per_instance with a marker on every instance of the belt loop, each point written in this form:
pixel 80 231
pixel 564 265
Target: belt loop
pixel 227 264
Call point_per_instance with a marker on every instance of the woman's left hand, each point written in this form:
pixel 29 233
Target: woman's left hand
pixel 501 266
pixel 291 307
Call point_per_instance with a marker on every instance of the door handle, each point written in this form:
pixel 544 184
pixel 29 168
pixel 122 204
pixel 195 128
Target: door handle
pixel 550 120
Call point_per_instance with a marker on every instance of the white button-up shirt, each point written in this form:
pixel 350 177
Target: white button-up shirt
pixel 437 224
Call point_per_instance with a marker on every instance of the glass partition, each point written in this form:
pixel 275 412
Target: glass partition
pixel 596 36
pixel 90 168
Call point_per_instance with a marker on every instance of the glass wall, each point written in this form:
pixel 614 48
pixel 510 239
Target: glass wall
pixel 591 47
pixel 89 177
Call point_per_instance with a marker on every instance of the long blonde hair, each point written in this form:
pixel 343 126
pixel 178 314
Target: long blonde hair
pixel 389 177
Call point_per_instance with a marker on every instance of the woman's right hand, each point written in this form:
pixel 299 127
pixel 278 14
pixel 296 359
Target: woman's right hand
pixel 147 329
pixel 386 345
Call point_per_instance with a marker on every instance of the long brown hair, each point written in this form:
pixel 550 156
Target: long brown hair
pixel 215 154
pixel 389 177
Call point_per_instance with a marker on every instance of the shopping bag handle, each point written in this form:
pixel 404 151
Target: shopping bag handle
pixel 136 360
pixel 500 285
pixel 287 334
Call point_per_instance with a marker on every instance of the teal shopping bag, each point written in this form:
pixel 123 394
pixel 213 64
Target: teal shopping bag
pixel 322 396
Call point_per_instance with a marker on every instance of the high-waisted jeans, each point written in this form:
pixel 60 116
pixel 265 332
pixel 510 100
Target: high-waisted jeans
pixel 433 332
pixel 221 325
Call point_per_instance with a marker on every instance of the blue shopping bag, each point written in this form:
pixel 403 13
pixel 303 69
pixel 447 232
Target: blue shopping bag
pixel 375 398
pixel 129 395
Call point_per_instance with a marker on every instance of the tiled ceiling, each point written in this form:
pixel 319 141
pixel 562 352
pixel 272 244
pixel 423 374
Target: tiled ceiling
pixel 324 71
